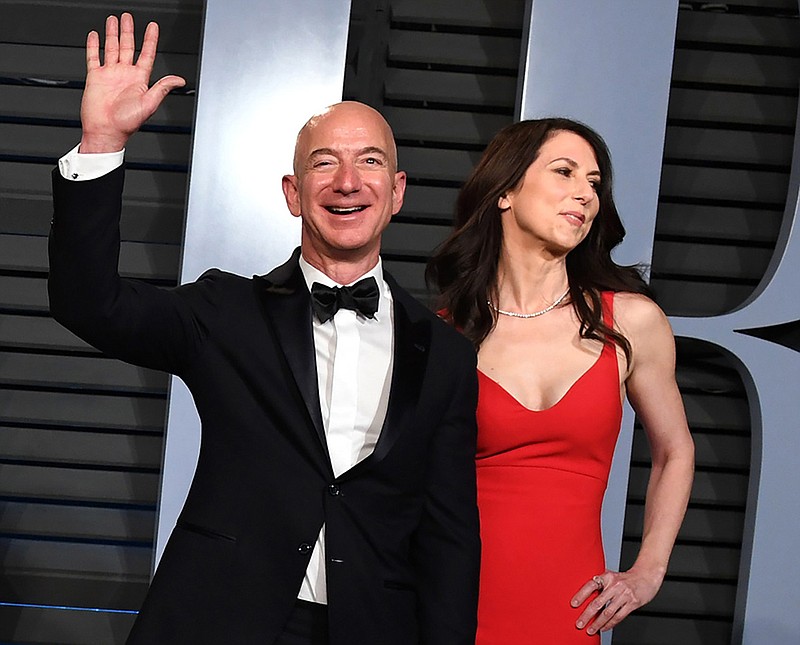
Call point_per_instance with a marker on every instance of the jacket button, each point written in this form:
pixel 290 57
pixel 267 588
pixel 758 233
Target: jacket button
pixel 304 548
pixel 334 490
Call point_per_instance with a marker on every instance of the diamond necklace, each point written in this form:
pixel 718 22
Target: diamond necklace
pixel 514 314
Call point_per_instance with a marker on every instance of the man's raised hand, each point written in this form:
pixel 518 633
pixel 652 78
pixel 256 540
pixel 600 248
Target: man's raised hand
pixel 118 98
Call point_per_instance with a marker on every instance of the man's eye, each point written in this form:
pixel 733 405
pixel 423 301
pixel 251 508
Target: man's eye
pixel 372 161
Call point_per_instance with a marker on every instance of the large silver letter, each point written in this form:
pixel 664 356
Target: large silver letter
pixel 265 68
pixel 623 95
pixel 631 51
pixel 766 602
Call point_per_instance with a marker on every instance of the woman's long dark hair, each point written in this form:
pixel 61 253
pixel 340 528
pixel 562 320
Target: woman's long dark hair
pixel 464 268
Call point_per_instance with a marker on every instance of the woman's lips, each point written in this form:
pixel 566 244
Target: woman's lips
pixel 574 216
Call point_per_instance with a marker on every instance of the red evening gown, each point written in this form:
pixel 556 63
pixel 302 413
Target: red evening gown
pixel 541 479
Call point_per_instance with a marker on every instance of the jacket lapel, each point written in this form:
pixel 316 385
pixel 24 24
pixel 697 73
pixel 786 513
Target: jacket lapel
pixel 412 339
pixel 287 306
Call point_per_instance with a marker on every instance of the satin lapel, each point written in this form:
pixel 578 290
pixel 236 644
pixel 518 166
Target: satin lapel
pixel 287 306
pixel 411 345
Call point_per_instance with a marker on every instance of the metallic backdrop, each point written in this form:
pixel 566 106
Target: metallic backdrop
pixel 265 67
pixel 608 64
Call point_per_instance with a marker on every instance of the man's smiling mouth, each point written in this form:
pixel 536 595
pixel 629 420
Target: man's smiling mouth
pixel 339 210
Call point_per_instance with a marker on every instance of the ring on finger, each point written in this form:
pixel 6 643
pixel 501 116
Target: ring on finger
pixel 599 582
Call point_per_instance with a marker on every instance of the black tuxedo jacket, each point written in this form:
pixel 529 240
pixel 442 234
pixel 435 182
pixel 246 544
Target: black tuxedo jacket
pixel 401 526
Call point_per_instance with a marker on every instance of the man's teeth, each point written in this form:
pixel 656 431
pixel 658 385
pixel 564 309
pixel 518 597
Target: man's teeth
pixel 345 211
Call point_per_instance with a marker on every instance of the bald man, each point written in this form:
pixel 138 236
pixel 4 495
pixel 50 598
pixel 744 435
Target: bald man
pixel 334 498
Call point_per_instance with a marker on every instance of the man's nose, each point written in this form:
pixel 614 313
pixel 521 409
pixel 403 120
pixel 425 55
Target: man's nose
pixel 347 179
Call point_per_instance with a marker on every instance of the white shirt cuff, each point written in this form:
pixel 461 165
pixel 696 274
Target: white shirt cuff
pixel 83 167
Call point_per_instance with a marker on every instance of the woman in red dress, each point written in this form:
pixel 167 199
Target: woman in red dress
pixel 563 335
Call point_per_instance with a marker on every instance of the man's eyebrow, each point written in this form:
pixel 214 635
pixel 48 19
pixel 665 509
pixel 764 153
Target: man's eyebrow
pixel 363 151
pixel 322 151
pixel 372 150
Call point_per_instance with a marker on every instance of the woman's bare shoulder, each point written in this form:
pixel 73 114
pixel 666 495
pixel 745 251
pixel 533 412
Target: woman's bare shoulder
pixel 643 323
pixel 637 311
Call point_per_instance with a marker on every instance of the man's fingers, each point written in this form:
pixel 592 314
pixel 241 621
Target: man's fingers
pixel 126 39
pixel 168 83
pixel 92 51
pixel 111 49
pixel 156 94
pixel 149 44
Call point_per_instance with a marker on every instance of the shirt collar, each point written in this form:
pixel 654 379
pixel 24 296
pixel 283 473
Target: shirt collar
pixel 312 274
pixel 385 301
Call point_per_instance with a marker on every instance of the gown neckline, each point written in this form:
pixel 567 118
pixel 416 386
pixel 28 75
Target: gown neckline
pixel 563 396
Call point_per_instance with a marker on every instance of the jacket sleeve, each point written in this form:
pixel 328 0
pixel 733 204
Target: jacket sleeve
pixel 127 319
pixel 446 547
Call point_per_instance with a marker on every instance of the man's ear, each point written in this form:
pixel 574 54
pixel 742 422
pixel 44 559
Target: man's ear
pixel 398 191
pixel 291 194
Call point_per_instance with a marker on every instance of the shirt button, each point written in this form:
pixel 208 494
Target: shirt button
pixel 304 548
pixel 334 490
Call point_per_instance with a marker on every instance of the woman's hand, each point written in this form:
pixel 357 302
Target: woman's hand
pixel 654 395
pixel 618 594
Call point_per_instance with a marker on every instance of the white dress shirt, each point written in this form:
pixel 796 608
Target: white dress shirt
pixel 83 167
pixel 354 357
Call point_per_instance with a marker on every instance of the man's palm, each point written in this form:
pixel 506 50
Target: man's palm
pixel 117 99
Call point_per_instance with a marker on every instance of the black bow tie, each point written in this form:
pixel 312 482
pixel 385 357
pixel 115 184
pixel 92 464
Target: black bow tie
pixel 361 297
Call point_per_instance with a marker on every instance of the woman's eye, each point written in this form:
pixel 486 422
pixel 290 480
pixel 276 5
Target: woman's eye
pixel 564 171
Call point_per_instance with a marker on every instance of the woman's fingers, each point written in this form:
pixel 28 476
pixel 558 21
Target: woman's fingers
pixel 618 594
pixel 591 586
